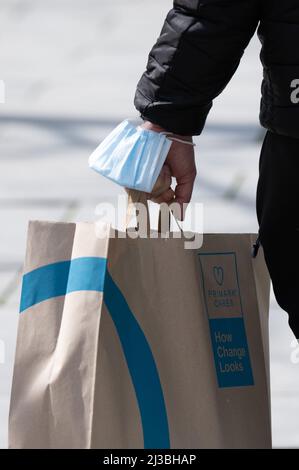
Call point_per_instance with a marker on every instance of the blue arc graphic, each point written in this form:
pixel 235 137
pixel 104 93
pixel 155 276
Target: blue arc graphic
pixel 90 274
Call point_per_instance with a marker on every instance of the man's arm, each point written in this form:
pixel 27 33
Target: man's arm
pixel 197 53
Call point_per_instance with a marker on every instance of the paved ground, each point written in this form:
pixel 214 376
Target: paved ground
pixel 70 69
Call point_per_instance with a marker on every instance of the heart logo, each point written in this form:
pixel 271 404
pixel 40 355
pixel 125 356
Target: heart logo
pixel 218 274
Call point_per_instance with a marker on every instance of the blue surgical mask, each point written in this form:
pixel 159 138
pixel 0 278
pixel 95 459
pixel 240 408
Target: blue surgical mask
pixel 131 156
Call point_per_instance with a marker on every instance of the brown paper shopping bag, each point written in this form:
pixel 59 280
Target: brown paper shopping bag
pixel 140 343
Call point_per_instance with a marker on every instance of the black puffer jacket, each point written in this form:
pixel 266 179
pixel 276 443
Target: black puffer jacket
pixel 198 51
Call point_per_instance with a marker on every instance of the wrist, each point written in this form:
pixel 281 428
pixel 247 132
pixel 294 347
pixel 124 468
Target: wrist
pixel 150 126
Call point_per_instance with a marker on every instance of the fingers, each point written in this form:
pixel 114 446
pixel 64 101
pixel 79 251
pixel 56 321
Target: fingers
pixel 167 196
pixel 183 192
pixel 180 164
pixel 181 195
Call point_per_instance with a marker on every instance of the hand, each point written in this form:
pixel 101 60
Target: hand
pixel 180 164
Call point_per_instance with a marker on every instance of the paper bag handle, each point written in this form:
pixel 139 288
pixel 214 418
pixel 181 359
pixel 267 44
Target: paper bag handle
pixel 135 197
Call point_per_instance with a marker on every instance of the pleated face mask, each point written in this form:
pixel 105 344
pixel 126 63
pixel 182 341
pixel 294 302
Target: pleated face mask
pixel 131 156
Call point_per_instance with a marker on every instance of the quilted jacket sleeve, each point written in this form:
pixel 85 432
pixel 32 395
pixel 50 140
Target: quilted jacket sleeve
pixel 197 53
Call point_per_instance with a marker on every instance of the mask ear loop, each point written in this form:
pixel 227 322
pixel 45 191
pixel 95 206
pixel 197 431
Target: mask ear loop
pixel 171 136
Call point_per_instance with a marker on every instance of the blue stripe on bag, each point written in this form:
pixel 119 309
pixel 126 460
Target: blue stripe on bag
pixel 54 280
pixel 90 274
pixel 143 370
